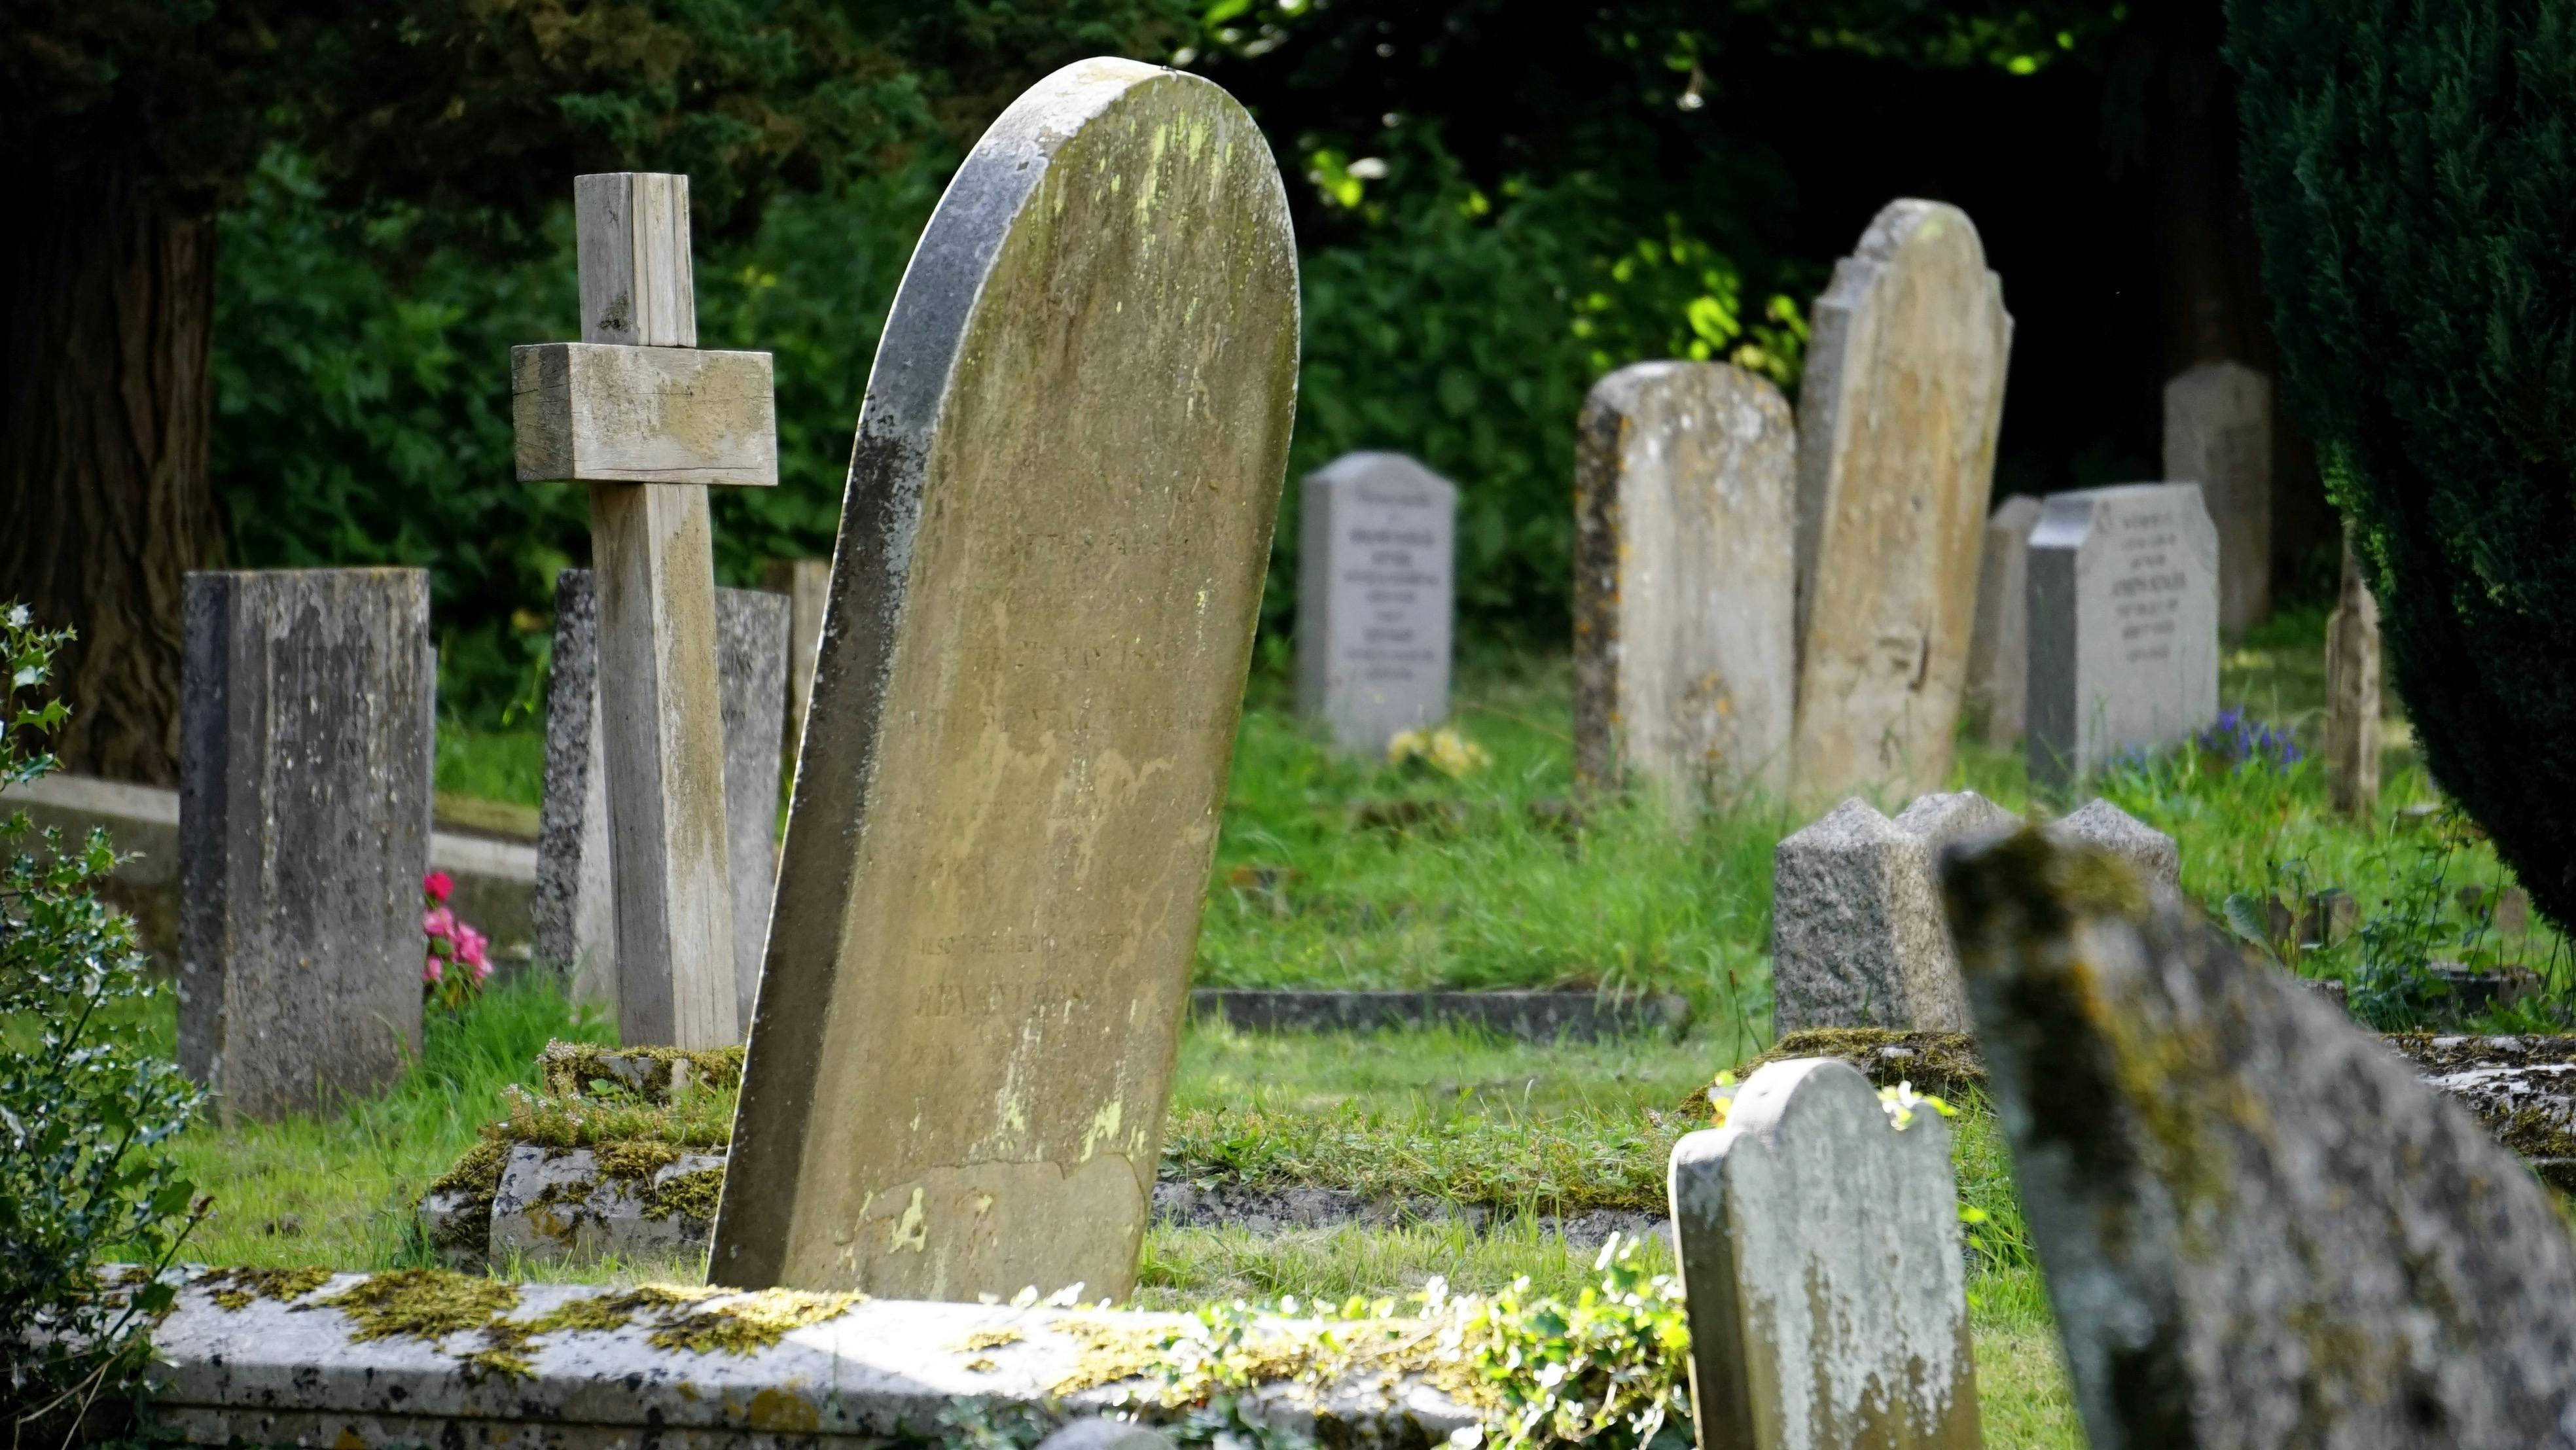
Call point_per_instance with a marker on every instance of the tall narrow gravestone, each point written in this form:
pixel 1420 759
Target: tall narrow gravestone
pixel 1897 419
pixel 807 583
pixel 575 909
pixel 2123 626
pixel 1042 611
pixel 1820 1255
pixel 304 780
pixel 2352 695
pixel 1377 539
pixel 1999 652
pixel 2218 434
pixel 1685 496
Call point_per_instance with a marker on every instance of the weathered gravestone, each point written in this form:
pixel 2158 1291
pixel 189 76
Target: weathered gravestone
pixel 2259 1228
pixel 2218 434
pixel 1819 1247
pixel 649 422
pixel 1998 688
pixel 576 909
pixel 2123 626
pixel 1376 557
pixel 807 583
pixel 306 702
pixel 2352 695
pixel 1897 418
pixel 1685 492
pixel 1042 613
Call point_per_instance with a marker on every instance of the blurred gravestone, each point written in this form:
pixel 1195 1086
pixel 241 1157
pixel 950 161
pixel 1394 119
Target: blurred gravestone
pixel 307 701
pixel 2258 1227
pixel 1684 504
pixel 2149 852
pixel 1857 938
pixel 575 910
pixel 807 583
pixel 1819 1247
pixel 1999 653
pixel 2352 695
pixel 2218 434
pixel 1897 419
pixel 1056 529
pixel 2123 626
pixel 1377 540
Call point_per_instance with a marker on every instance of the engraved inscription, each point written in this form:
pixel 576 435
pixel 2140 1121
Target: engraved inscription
pixel 2148 584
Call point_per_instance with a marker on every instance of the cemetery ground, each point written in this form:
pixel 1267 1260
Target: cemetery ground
pixel 1335 872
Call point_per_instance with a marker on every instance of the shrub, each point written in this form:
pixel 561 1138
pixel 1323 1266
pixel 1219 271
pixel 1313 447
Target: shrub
pixel 85 1102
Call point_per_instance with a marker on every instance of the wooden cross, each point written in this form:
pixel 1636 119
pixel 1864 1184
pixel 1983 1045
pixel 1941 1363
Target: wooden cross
pixel 648 421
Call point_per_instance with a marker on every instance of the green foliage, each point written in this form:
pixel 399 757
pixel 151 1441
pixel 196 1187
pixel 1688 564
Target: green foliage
pixel 2408 167
pixel 86 1105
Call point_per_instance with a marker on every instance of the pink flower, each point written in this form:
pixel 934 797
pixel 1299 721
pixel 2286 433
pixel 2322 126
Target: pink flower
pixel 482 970
pixel 469 945
pixel 438 921
pixel 438 884
pixel 432 970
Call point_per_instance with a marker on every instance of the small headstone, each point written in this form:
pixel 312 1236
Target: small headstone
pixel 305 746
pixel 1376 557
pixel 2218 434
pixel 1857 938
pixel 1897 420
pixel 807 583
pixel 2259 1227
pixel 2149 852
pixel 576 910
pixel 2352 695
pixel 1051 564
pixel 1999 653
pixel 1685 499
pixel 2123 626
pixel 1819 1248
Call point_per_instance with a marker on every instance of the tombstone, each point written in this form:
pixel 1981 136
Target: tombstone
pixel 1821 1263
pixel 306 706
pixel 806 583
pixel 2218 434
pixel 2258 1227
pixel 1857 938
pixel 1053 547
pixel 1684 504
pixel 2352 695
pixel 2123 626
pixel 576 915
pixel 1377 540
pixel 1999 652
pixel 649 422
pixel 1897 418
pixel 2144 849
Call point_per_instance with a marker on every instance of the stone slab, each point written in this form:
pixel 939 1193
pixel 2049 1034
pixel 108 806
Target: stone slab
pixel 1820 1249
pixel 1685 659
pixel 554 1205
pixel 2259 1227
pixel 1997 693
pixel 1898 416
pixel 1857 937
pixel 2123 626
pixel 1529 1016
pixel 1050 568
pixel 2218 434
pixel 1376 566
pixel 305 748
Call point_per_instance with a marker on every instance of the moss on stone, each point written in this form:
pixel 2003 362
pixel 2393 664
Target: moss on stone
pixel 690 1197
pixel 476 1176
pixel 1943 1064
pixel 567 1069
pixel 634 1160
pixel 237 1289
pixel 420 1304
pixel 750 1322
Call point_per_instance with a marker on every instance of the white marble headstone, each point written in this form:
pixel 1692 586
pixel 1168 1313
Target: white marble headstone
pixel 1375 592
pixel 2123 625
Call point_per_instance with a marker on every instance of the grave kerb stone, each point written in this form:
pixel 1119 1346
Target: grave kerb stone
pixel 1376 558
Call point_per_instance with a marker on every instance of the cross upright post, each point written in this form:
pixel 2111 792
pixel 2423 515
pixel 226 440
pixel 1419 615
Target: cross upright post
pixel 648 421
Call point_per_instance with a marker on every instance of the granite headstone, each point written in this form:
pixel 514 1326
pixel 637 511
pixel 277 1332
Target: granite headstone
pixel 1376 553
pixel 2123 626
pixel 1857 938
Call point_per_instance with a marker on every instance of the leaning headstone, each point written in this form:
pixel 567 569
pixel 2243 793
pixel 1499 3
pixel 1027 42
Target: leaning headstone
pixel 2258 1227
pixel 1376 556
pixel 1897 420
pixel 2352 695
pixel 304 782
pixel 2123 626
pixel 2218 434
pixel 1819 1248
pixel 1685 497
pixel 1051 564
pixel 1999 652
pixel 2149 852
pixel 1857 938
pixel 576 913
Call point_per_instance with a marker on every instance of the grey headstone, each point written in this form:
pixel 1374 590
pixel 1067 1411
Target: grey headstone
pixel 1857 938
pixel 2123 626
pixel 2150 852
pixel 1050 568
pixel 2259 1227
pixel 575 910
pixel 1820 1252
pixel 1685 497
pixel 1376 556
pixel 307 701
pixel 2218 434
pixel 1999 653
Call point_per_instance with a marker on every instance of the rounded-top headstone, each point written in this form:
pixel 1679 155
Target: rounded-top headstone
pixel 1041 613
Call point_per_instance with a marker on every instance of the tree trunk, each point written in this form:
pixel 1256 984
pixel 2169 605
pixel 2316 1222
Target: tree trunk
pixel 106 310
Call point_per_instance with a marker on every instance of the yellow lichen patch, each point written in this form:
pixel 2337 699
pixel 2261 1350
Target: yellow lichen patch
pixel 784 1410
pixel 420 1303
pixel 982 1364
pixel 603 1312
pixel 747 1323
pixel 990 1339
pixel 237 1289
